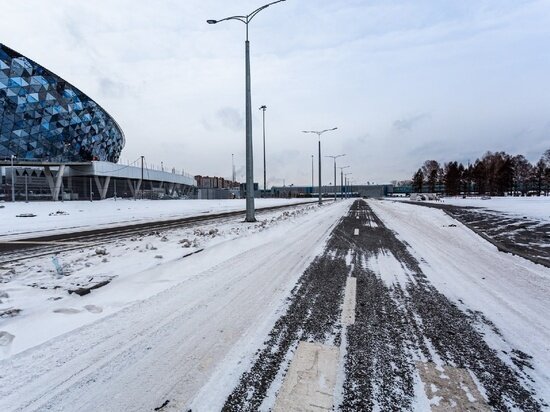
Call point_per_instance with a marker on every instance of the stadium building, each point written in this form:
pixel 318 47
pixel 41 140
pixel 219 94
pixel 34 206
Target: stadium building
pixel 56 142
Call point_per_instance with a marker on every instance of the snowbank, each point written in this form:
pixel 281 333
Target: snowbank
pixel 537 208
pixel 80 215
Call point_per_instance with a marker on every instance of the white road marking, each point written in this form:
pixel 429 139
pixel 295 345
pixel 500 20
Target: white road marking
pixel 348 311
pixel 450 389
pixel 310 380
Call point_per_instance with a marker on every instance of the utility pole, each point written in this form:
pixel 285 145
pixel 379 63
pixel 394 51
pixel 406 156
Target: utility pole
pixel 12 179
pixel 263 109
pixel 232 169
pixel 319 133
pixel 141 184
pixel 347 183
pixel 342 180
pixel 335 157
pixel 312 174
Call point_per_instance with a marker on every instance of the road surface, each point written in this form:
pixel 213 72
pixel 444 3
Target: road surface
pixel 365 306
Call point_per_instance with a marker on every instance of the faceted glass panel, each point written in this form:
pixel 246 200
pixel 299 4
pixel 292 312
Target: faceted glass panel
pixel 42 117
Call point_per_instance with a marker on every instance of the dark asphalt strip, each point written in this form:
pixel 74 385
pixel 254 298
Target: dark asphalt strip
pixel 313 315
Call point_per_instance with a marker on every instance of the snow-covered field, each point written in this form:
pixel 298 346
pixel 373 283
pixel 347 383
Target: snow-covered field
pixel 166 316
pixel 79 215
pixel 536 208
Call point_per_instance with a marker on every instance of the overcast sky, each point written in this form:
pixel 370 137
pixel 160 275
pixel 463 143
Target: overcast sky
pixel 404 81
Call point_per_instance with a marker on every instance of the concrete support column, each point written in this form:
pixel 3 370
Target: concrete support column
pixel 134 187
pixel 102 187
pixel 55 185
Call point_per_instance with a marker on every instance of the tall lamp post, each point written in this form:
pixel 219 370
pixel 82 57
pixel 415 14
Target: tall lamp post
pixel 232 170
pixel 12 179
pixel 249 155
pixel 342 179
pixel 312 173
pixel 319 133
pixel 334 158
pixel 346 177
pixel 263 109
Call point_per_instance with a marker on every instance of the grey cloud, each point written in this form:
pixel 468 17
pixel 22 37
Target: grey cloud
pixel 407 124
pixel 231 118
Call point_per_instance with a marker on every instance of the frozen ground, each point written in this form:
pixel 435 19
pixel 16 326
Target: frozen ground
pixel 165 321
pixel 443 320
pixel 78 215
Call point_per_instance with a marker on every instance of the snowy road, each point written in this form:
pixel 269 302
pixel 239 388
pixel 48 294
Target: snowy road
pixel 443 321
pixel 164 348
pixel 367 306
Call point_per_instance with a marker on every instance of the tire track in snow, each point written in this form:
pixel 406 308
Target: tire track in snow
pixel 399 324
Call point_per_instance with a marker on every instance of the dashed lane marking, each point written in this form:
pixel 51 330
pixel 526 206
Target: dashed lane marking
pixel 348 310
pixel 450 389
pixel 310 380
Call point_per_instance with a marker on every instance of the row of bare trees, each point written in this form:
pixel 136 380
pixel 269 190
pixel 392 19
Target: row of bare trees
pixel 496 174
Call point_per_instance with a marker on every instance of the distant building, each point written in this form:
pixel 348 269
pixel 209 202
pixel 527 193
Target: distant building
pixel 207 182
pixel 328 191
pixel 216 188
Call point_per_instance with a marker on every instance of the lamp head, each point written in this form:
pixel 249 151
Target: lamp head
pixel 211 21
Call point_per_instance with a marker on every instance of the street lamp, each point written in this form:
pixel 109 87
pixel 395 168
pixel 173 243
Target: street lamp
pixel 263 109
pixel 249 155
pixel 335 157
pixel 12 179
pixel 312 174
pixel 319 133
pixel 232 170
pixel 346 182
pixel 342 179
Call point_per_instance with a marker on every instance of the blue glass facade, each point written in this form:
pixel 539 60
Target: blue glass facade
pixel 42 117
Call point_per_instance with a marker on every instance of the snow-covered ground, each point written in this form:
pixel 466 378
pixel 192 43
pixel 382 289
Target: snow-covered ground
pixel 536 208
pixel 511 292
pixel 78 215
pixel 166 321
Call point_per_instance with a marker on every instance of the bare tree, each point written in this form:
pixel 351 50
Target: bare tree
pixel 430 169
pixel 418 181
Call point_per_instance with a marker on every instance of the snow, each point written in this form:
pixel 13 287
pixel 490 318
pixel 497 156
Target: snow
pixel 79 215
pixel 534 207
pixel 163 327
pixel 510 291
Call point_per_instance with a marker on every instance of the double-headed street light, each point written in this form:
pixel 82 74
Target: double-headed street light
pixel 263 109
pixel 335 157
pixel 342 179
pixel 319 133
pixel 249 155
